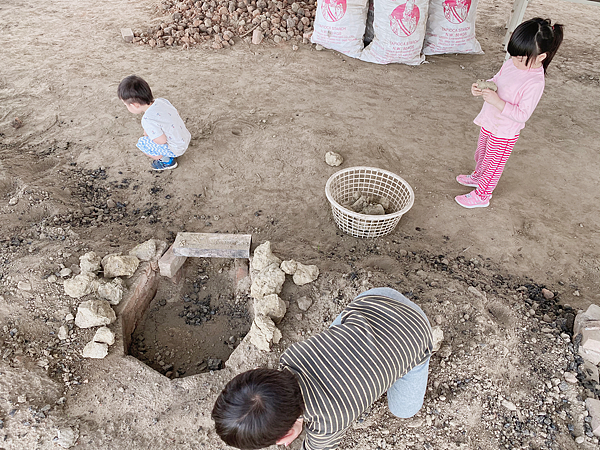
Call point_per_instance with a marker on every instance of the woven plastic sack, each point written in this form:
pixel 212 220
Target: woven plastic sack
pixel 340 25
pixel 399 32
pixel 451 27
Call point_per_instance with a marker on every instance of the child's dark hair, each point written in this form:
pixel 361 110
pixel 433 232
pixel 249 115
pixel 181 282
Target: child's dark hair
pixel 535 37
pixel 257 408
pixel 134 89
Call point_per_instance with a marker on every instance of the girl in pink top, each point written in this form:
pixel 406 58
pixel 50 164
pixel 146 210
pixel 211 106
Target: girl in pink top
pixel 520 84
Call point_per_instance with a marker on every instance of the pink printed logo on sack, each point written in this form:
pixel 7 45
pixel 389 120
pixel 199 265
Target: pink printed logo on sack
pixel 333 10
pixel 456 11
pixel 404 19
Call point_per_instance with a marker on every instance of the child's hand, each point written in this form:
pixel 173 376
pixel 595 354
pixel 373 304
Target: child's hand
pixel 475 90
pixel 492 98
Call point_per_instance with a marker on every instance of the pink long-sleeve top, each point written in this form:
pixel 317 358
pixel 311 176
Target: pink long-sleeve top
pixel 521 90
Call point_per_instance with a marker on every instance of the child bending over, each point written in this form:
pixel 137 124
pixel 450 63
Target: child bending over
pixel 165 135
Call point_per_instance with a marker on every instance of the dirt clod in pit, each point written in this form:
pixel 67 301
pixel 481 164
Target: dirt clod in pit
pixel 193 328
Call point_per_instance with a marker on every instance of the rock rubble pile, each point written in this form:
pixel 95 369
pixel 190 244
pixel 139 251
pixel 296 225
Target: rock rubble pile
pixel 216 22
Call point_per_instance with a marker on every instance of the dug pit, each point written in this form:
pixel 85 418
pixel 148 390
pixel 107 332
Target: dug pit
pixel 192 326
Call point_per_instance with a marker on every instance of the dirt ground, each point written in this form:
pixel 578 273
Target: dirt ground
pixel 262 118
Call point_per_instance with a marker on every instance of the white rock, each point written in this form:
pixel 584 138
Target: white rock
pixel 69 317
pixel 94 313
pixel 509 405
pixel 90 262
pixel 263 257
pixel 304 303
pixel 271 306
pixel 67 437
pixel 52 278
pixel 24 285
pixel 333 159
pixel 149 250
pixel 96 350
pixel 263 333
pixel 105 335
pixel 289 266
pixel 269 281
pixel 305 274
pixel 63 333
pixel 13 201
pixel 79 285
pixel 112 291
pixel 119 265
pixel 257 36
pixel 438 337
pixel 65 272
pixel 570 377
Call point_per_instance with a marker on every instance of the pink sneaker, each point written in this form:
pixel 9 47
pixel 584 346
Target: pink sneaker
pixel 471 200
pixel 466 180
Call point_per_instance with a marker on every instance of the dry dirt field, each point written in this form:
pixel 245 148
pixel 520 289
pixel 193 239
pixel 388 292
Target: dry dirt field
pixel 262 118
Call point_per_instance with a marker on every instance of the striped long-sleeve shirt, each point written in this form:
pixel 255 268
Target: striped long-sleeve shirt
pixel 344 369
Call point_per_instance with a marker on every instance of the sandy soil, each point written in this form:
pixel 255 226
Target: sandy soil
pixel 262 118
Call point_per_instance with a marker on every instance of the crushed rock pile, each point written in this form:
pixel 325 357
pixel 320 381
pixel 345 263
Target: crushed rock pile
pixel 215 23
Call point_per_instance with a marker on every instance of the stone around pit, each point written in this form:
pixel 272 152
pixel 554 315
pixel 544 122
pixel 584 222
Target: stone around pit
pixel 94 313
pixel 263 333
pixel 271 306
pixel 96 350
pixel 115 265
pixel 104 335
pixel 149 250
pixel 90 262
pixel 268 281
pixel 80 285
pixel 333 159
pixel 304 303
pixel 112 291
pixel 263 258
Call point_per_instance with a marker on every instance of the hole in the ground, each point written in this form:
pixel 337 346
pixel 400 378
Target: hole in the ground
pixel 193 326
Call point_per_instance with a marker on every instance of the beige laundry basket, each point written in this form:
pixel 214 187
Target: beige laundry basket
pixel 368 181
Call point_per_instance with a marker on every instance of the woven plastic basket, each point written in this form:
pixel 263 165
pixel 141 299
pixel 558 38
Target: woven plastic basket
pixel 368 181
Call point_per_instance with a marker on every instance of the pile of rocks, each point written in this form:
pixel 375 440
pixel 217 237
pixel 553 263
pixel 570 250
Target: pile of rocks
pixel 217 22
pixel 268 275
pixel 108 289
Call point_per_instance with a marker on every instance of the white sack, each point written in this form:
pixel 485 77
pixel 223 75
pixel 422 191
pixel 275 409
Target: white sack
pixel 451 27
pixel 340 25
pixel 399 32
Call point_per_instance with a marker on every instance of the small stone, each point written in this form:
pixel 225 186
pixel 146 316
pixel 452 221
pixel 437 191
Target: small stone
pixel 475 291
pixel 304 303
pixel 257 36
pixel 67 437
pixel 333 159
pixel 305 274
pixel 63 333
pixel 52 279
pixel 24 285
pixel 79 285
pixel 289 266
pixel 277 39
pixel 112 291
pixel 96 350
pixel 149 250
pixel 580 439
pixel 509 405
pixel 318 47
pixel 69 317
pixel 127 34
pixel 65 272
pixel 13 201
pixel 570 377
pixel 294 47
pixel 547 294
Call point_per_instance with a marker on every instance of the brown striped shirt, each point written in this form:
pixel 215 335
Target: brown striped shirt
pixel 344 369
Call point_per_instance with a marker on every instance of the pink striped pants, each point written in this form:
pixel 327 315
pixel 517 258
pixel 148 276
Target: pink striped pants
pixel 490 159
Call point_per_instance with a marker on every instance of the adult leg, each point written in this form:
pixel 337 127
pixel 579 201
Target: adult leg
pixel 497 152
pixel 405 397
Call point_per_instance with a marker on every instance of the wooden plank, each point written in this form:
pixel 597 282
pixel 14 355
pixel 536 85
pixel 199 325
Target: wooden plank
pixel 212 245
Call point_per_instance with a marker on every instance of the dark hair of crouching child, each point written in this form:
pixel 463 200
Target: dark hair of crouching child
pixel 134 89
pixel 257 408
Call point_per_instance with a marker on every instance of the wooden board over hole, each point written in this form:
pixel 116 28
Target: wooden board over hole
pixel 212 245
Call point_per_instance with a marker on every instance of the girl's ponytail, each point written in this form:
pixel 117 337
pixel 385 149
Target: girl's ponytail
pixel 557 38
